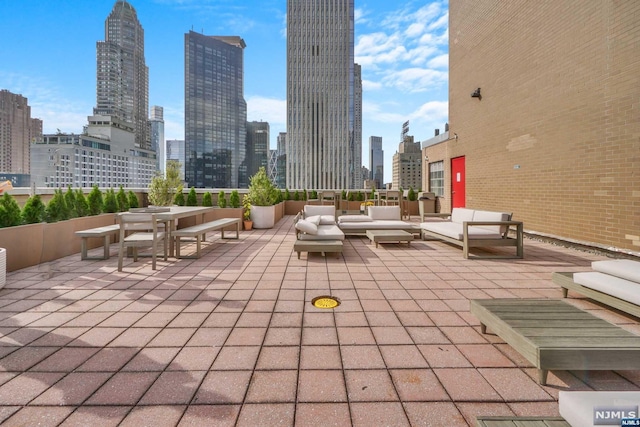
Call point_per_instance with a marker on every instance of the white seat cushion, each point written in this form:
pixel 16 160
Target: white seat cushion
pixel 622 268
pixel 577 407
pixel 454 230
pixel 620 288
pixel 325 232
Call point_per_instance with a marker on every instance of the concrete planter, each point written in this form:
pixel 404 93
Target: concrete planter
pixel 263 216
pixel 33 244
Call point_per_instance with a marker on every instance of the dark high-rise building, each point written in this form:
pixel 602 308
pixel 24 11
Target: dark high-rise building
pixel 321 91
pixel 376 161
pixel 215 112
pixel 257 146
pixel 122 74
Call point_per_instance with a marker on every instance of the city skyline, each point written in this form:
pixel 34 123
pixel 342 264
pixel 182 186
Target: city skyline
pixel 403 50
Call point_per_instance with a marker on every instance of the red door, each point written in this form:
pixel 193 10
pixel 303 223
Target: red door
pixel 457 183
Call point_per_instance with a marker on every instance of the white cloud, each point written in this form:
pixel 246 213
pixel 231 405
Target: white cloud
pixel 269 110
pixel 368 85
pixel 432 111
pixel 441 61
pixel 414 80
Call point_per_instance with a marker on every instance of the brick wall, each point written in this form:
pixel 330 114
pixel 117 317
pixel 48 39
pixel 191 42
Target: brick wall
pixel 556 136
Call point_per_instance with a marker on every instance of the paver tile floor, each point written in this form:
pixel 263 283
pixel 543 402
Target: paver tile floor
pixel 231 339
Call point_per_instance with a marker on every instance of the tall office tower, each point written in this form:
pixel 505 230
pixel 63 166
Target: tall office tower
pixel 122 74
pixel 257 147
pixel 272 169
pixel 407 162
pixel 376 161
pixel 17 130
pixel 175 151
pixel 320 94
pixel 215 112
pixel 157 137
pixel 281 162
pixel 356 143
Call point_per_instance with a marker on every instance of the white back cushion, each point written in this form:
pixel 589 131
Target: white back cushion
pixel 384 212
pixel 461 215
pixel 311 210
pixel 623 268
pixel 492 216
pixel 307 227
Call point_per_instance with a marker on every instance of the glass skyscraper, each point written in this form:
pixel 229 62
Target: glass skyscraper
pixel 376 160
pixel 321 91
pixel 215 112
pixel 122 74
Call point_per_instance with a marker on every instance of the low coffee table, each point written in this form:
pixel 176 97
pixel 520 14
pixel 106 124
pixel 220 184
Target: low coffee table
pixel 386 236
pixel 554 335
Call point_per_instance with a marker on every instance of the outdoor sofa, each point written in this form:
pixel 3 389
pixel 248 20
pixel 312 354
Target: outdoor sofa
pixel 471 228
pixel 317 231
pixel 377 218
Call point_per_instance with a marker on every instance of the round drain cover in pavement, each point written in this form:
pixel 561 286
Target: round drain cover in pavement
pixel 325 302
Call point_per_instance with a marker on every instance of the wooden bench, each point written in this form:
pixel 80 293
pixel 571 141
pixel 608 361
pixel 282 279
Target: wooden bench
pixel 521 422
pixel 199 231
pixel 554 335
pixel 104 232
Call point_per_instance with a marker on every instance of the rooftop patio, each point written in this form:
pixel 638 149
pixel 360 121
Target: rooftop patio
pixel 232 338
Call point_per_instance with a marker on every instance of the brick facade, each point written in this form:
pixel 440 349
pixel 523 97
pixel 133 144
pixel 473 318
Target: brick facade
pixel 555 138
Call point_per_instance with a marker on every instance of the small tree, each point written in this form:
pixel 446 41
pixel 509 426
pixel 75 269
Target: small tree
pixel 304 194
pixel 110 202
pixel 95 201
pixel 234 199
pixel 206 199
pixel 343 196
pixel 296 196
pixel 70 203
pixel 192 199
pixel 123 200
pixel 360 196
pixel 412 196
pixel 10 214
pixel 56 209
pixel 133 199
pixel 372 195
pixel 162 190
pixel 82 206
pixel 352 196
pixel 33 210
pixel 247 208
pixel 222 201
pixel 262 192
pixel 179 198
pixel 287 196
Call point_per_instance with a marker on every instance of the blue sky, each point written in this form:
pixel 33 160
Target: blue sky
pixel 48 55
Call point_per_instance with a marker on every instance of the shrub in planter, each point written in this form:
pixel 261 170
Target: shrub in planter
pixel 360 196
pixel 110 202
pixel 33 210
pixel 234 199
pixel 70 202
pixel 343 196
pixel 296 196
pixel 179 199
pixel 95 201
pixel 222 201
pixel 56 209
pixel 304 194
pixel 10 214
pixel 81 204
pixel 261 191
pixel 206 199
pixel 352 196
pixel 123 200
pixel 162 190
pixel 192 199
pixel 287 196
pixel 133 200
pixel 412 196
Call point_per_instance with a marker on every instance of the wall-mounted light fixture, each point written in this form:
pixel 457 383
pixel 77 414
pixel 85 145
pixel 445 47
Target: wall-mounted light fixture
pixel 476 94
pixel 426 158
pixel 455 136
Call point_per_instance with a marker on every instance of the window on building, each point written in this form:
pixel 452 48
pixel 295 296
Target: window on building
pixel 436 178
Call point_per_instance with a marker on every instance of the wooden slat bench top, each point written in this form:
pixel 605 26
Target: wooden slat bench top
pixel 105 232
pixel 99 231
pixel 199 231
pixel 554 335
